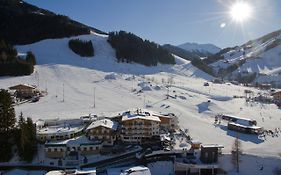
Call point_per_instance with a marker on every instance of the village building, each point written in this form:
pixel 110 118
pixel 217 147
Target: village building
pixel 138 126
pixel 248 129
pixel 136 170
pixel 71 148
pixel 243 125
pixel 168 122
pixel 265 86
pixel 277 96
pixel 59 132
pixel 105 130
pixel 210 153
pixel 24 90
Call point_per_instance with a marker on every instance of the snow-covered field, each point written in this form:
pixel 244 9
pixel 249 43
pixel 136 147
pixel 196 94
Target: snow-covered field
pixel 60 71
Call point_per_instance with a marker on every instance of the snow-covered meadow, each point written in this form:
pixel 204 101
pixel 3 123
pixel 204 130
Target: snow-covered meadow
pixel 120 86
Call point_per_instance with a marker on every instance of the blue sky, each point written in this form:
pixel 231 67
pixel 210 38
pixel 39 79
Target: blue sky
pixel 172 21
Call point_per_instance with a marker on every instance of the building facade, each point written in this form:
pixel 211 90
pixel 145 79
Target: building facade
pixel 67 148
pixel 59 132
pixel 24 90
pixel 105 130
pixel 139 126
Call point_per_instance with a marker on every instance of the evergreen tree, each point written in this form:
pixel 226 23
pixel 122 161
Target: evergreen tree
pixel 30 58
pixel 10 64
pixel 7 124
pixel 27 144
pixel 7 113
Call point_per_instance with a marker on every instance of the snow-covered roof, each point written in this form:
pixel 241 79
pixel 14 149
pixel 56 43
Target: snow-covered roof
pixel 23 85
pixel 40 122
pixel 137 170
pixel 129 115
pixel 245 126
pixel 103 123
pixel 60 129
pixel 238 118
pixel 212 146
pixel 82 140
pixel 55 172
pixel 60 172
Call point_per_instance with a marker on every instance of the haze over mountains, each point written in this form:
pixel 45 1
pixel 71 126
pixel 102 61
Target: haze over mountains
pixel 200 49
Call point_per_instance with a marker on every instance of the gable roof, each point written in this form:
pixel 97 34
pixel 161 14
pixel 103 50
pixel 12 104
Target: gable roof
pixel 103 123
pixel 23 86
pixel 276 93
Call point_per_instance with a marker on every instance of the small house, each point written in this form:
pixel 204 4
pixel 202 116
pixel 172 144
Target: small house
pixel 210 153
pixel 277 96
pixel 24 90
pixel 264 86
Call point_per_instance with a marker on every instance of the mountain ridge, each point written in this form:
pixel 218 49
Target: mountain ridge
pixel 200 49
pixel 23 23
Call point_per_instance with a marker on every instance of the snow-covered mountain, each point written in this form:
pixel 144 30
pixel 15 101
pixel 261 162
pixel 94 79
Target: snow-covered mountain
pixel 205 49
pixel 261 56
pixel 120 86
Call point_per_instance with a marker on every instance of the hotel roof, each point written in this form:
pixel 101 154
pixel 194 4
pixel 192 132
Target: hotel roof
pixel 103 123
pixel 138 114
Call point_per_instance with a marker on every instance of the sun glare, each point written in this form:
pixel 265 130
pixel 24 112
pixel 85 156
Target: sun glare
pixel 240 11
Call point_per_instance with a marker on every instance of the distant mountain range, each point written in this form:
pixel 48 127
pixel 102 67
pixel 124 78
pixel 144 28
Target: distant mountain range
pixel 200 49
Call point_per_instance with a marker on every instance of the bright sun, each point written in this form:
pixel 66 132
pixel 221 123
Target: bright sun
pixel 240 11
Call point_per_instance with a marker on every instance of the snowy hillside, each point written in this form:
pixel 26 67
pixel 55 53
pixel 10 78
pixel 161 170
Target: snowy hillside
pixel 203 48
pixel 120 86
pixel 262 56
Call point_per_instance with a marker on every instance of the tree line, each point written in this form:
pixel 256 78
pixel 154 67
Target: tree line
pixel 13 65
pixel 15 136
pixel 131 48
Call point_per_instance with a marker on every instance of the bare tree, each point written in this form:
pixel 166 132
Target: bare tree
pixel 236 152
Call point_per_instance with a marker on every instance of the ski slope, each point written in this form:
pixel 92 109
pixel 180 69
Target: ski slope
pixel 72 82
pixel 258 59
